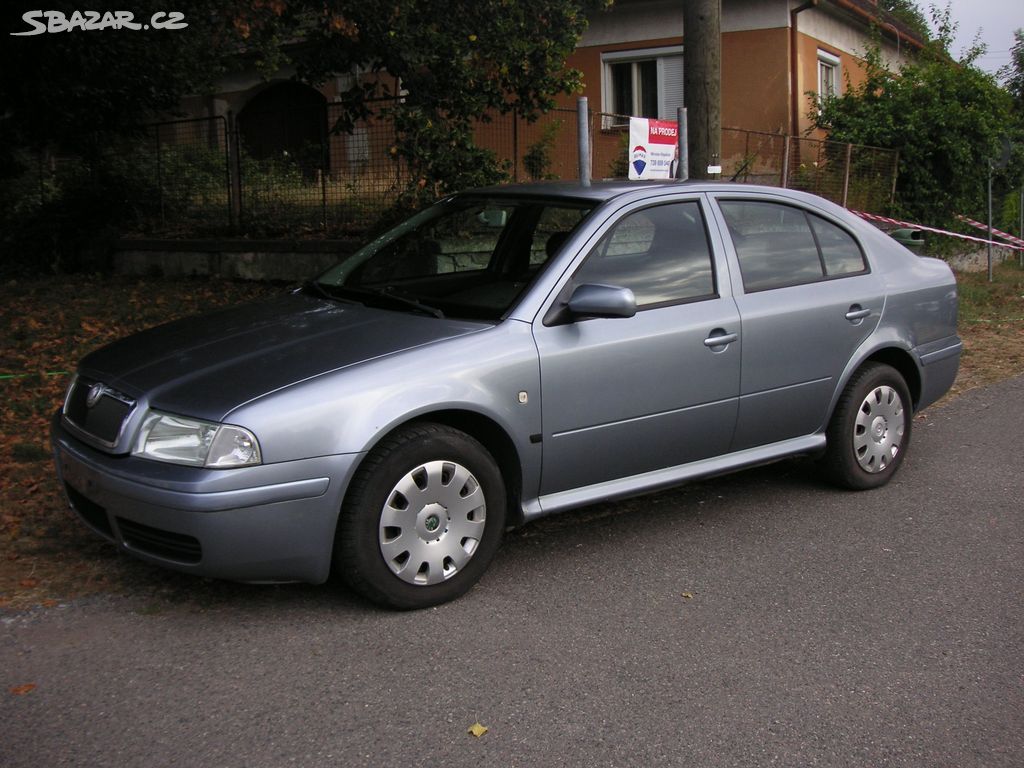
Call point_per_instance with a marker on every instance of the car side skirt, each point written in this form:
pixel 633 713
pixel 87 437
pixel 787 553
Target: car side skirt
pixel 670 476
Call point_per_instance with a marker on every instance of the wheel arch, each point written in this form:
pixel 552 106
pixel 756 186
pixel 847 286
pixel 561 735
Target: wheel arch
pixel 903 362
pixel 896 357
pixel 488 433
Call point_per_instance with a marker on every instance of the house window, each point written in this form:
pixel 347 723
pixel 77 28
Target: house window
pixel 645 83
pixel 828 74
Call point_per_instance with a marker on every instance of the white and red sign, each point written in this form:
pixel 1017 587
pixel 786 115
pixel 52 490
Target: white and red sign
pixel 653 148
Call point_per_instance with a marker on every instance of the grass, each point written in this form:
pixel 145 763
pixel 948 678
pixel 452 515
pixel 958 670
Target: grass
pixel 48 324
pixel 991 326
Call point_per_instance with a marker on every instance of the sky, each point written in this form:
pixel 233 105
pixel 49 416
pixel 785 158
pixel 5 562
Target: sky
pixel 997 20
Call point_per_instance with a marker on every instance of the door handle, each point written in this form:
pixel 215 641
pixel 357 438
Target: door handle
pixel 721 339
pixel 857 313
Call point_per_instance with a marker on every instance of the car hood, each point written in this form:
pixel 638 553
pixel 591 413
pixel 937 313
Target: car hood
pixel 208 365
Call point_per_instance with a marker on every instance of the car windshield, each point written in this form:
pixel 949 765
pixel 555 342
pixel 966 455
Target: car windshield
pixel 467 257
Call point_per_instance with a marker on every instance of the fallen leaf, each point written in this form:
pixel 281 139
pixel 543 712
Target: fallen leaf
pixel 688 595
pixel 21 690
pixel 476 729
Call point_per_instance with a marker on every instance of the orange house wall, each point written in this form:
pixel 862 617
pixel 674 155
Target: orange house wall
pixel 755 80
pixel 755 77
pixel 851 74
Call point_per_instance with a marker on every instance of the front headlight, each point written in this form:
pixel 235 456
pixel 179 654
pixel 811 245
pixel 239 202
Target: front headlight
pixel 179 440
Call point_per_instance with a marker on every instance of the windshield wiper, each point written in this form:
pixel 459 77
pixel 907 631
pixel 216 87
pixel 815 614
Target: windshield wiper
pixel 364 295
pixel 318 289
pixel 389 293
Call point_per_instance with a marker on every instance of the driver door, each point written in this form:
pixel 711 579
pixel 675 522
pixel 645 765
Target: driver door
pixel 624 396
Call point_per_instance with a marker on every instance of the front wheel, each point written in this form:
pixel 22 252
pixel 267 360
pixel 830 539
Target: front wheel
pixel 422 519
pixel 870 430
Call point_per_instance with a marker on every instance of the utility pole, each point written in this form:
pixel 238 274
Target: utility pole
pixel 702 83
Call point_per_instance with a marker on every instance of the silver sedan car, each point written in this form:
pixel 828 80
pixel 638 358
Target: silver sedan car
pixel 505 354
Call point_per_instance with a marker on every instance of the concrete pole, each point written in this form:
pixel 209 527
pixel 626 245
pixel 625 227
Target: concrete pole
pixel 702 83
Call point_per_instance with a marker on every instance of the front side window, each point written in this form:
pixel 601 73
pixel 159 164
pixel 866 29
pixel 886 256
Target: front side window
pixel 780 245
pixel 661 254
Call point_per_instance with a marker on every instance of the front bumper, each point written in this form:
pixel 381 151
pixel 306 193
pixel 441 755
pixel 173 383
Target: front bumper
pixel 269 523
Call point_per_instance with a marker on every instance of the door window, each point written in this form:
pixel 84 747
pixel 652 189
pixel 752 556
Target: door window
pixel 662 254
pixel 781 245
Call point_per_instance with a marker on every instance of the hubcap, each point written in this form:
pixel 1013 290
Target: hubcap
pixel 878 432
pixel 432 522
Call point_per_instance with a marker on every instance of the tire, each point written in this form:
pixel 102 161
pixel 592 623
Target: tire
pixel 870 430
pixel 422 518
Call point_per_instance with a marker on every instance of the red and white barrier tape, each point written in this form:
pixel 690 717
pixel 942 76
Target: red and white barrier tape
pixel 998 233
pixel 899 223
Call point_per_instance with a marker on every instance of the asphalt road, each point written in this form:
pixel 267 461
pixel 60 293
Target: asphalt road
pixel 823 628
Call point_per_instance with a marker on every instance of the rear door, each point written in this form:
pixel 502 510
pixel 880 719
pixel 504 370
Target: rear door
pixel 807 300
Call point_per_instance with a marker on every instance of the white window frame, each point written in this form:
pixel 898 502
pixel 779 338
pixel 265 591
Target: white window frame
pixel 831 62
pixel 632 57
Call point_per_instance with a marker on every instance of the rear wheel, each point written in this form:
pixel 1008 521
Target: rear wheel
pixel 422 519
pixel 870 430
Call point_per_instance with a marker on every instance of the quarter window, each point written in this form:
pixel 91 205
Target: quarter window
pixel 839 250
pixel 779 245
pixel 661 254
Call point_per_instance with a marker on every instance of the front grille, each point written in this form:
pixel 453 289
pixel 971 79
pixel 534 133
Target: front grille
pixel 160 543
pixel 90 511
pixel 104 418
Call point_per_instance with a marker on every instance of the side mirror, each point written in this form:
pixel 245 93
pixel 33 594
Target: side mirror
pixel 592 300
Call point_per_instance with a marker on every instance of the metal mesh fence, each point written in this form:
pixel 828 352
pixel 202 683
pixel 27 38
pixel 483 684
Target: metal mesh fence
pixel 609 145
pixel 296 175
pixel 290 173
pixel 852 175
pixel 172 179
pixel 751 157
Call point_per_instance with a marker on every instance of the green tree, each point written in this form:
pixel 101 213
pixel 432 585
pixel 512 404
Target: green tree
pixel 910 14
pixel 945 117
pixel 1012 75
pixel 65 91
pixel 452 65
pixel 445 66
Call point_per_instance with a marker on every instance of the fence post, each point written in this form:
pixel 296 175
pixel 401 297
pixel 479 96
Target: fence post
pixel 325 154
pixel 683 143
pixel 784 180
pixel 515 145
pixel 583 139
pixel 227 171
pixel 895 175
pixel 159 174
pixel 235 170
pixel 846 174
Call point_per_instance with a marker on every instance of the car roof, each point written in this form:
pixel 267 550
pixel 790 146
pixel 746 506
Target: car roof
pixel 598 191
pixel 602 191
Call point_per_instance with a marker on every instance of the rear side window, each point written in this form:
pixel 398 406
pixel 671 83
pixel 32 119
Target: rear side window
pixel 780 245
pixel 661 254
